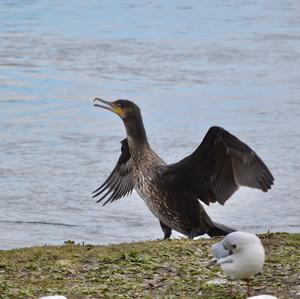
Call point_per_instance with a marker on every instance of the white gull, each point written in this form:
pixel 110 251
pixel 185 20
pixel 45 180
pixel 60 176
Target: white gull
pixel 240 255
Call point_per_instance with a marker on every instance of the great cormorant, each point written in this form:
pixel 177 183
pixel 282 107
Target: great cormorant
pixel 212 173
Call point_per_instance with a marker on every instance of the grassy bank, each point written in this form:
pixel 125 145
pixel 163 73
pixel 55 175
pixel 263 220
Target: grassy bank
pixel 154 269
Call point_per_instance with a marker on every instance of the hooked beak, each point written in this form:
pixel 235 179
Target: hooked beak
pixel 111 106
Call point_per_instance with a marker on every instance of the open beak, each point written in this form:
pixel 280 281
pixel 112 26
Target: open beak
pixel 111 106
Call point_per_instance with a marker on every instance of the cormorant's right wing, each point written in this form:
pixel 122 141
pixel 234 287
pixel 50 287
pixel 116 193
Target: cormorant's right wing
pixel 120 181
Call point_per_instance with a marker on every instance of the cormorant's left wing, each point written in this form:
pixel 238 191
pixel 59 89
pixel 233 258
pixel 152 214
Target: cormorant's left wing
pixel 218 167
pixel 120 181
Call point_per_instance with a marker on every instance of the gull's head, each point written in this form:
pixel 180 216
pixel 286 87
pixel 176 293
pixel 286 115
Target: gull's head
pixel 237 241
pixel 125 109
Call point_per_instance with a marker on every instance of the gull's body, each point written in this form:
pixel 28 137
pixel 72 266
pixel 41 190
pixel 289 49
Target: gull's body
pixel 212 173
pixel 263 297
pixel 240 255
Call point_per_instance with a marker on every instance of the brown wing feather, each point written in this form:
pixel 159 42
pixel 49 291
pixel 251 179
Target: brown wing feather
pixel 219 166
pixel 120 181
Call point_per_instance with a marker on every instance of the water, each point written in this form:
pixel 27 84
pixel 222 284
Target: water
pixel 188 65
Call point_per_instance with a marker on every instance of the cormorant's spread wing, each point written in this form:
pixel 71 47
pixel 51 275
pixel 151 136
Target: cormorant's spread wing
pixel 120 181
pixel 219 166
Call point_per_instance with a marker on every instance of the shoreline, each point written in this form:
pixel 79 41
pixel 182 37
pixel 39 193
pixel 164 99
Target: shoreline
pixel 147 269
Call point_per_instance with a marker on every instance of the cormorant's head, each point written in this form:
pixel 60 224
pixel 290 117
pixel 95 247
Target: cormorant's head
pixel 124 108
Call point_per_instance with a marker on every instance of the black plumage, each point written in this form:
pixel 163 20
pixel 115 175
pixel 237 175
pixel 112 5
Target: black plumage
pixel 120 181
pixel 212 173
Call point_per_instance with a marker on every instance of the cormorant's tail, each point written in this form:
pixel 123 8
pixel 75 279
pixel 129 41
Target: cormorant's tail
pixel 220 230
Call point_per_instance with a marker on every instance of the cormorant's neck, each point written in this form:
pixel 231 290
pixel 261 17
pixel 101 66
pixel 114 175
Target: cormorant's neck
pixel 135 130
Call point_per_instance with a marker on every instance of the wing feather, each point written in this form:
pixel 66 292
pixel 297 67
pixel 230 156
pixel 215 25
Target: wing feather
pixel 219 166
pixel 120 182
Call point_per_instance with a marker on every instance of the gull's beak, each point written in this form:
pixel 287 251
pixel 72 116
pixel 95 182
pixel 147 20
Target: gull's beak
pixel 111 106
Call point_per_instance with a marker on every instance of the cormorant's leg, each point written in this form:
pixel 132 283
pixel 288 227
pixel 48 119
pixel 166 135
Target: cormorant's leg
pixel 167 231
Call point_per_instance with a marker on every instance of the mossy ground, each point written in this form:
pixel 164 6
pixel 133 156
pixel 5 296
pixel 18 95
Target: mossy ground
pixel 154 269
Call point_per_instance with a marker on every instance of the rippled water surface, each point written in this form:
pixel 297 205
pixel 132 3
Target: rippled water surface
pixel 188 65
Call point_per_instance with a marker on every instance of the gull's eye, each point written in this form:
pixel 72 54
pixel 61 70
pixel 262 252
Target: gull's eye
pixel 233 246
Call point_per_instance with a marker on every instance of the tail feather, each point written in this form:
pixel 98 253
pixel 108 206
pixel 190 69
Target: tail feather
pixel 220 230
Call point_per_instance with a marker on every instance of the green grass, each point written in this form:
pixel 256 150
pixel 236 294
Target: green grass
pixel 153 269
